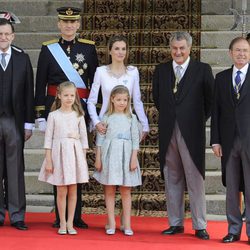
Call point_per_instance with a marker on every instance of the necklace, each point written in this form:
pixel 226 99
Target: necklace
pixel 117 74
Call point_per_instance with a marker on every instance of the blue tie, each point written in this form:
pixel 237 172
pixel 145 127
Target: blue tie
pixel 237 81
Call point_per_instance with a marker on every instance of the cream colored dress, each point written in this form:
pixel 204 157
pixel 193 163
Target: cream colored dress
pixel 69 163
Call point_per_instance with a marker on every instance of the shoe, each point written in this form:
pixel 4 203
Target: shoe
pixel 80 224
pixel 128 232
pixel 173 230
pixel 202 234
pixel 20 225
pixel 229 238
pixel 1 223
pixel 243 216
pixel 62 231
pixel 72 231
pixel 110 231
pixel 56 224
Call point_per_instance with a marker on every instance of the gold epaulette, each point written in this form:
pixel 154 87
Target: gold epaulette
pixel 86 41
pixel 50 42
pixel 39 108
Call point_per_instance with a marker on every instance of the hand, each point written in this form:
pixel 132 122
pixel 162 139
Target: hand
pixel 49 168
pixel 98 165
pixel 101 127
pixel 143 135
pixel 27 134
pixel 42 125
pixel 133 163
pixel 217 150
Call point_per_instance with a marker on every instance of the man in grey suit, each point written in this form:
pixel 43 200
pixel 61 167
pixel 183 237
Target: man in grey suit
pixel 230 134
pixel 182 92
pixel 16 122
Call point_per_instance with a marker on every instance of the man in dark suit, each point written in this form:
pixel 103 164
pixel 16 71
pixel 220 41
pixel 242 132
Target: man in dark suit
pixel 182 92
pixel 66 59
pixel 16 122
pixel 230 133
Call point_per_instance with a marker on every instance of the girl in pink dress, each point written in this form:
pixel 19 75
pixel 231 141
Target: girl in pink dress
pixel 65 146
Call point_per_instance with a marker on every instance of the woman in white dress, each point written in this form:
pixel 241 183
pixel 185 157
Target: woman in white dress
pixel 111 75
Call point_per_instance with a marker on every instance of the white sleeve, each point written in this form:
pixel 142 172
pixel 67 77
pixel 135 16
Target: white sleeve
pixel 137 103
pixel 93 97
pixel 83 133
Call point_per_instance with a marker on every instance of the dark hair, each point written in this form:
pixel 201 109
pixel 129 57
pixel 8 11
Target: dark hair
pixel 112 40
pixel 248 37
pixel 57 102
pixel 4 21
pixel 235 40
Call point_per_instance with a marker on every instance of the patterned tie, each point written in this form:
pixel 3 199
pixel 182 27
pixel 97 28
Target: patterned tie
pixel 3 61
pixel 237 81
pixel 177 77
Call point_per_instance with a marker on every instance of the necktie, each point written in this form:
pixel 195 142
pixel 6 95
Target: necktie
pixel 177 77
pixel 3 61
pixel 237 84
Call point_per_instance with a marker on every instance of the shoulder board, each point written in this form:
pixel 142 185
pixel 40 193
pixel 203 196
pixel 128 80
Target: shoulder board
pixel 86 41
pixel 16 48
pixel 50 42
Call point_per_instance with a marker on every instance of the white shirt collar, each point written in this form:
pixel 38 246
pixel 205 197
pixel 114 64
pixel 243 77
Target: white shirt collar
pixel 243 70
pixel 8 52
pixel 184 65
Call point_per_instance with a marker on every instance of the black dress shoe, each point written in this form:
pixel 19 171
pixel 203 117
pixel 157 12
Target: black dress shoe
pixel 20 225
pixel 1 223
pixel 80 224
pixel 56 224
pixel 229 238
pixel 202 234
pixel 173 230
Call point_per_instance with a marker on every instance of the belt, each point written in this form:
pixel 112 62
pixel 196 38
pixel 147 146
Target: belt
pixel 52 90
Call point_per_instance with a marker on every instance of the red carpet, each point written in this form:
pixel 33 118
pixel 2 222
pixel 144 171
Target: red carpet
pixel 147 236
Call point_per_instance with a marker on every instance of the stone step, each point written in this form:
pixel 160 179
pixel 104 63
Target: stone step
pixel 151 183
pixel 142 204
pixel 37 8
pixel 218 23
pixel 219 40
pixel 216 57
pixel 212 7
pixel 148 158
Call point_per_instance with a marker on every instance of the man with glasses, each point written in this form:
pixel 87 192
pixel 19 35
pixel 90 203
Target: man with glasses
pixel 230 134
pixel 16 122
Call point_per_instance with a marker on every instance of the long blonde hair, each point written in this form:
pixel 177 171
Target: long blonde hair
pixel 119 89
pixel 57 102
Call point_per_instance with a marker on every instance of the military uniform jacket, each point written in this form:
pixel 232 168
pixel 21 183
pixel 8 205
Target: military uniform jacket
pixel 83 56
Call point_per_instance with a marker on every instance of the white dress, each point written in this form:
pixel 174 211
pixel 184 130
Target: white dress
pixel 106 81
pixel 121 138
pixel 69 163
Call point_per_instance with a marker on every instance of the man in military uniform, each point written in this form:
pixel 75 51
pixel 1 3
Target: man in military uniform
pixel 54 68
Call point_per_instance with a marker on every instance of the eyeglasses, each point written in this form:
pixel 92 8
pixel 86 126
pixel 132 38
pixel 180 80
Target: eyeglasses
pixel 5 34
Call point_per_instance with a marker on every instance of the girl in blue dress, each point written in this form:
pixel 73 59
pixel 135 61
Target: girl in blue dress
pixel 116 157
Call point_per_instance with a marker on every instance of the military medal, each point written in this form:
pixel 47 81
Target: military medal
pixel 68 49
pixel 80 57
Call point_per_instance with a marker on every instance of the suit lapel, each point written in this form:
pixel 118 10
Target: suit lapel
pixel 229 84
pixel 168 79
pixel 187 79
pixel 246 85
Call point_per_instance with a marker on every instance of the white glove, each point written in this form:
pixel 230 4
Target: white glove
pixel 42 124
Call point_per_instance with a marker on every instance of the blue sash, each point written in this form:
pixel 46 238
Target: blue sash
pixel 66 65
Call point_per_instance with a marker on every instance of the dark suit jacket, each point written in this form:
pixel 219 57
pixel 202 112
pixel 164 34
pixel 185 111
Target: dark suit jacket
pixel 190 109
pixel 229 117
pixel 22 89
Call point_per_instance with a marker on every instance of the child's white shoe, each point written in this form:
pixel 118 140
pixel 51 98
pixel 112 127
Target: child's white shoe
pixel 128 232
pixel 110 231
